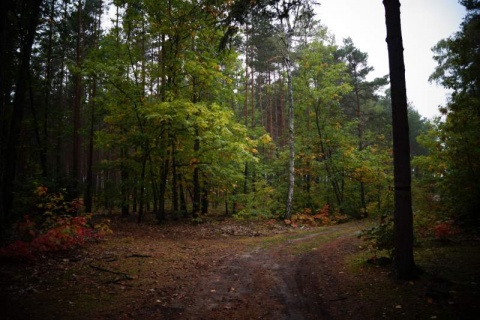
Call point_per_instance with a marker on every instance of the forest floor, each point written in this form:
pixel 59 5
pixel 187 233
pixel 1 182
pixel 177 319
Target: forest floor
pixel 240 270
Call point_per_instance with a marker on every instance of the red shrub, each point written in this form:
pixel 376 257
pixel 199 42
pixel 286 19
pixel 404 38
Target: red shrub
pixel 52 228
pixel 445 230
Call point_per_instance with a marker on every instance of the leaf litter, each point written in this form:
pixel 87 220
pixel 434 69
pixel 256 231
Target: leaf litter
pixel 239 270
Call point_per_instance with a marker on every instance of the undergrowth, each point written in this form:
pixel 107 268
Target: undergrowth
pixel 53 225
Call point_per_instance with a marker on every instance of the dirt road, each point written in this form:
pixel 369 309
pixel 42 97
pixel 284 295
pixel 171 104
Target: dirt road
pixel 230 270
pixel 296 278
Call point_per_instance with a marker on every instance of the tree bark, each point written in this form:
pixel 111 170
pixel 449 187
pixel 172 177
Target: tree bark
pixel 174 177
pixel 9 158
pixel 291 139
pixel 291 130
pixel 404 265
pixel 124 189
pixel 142 187
pixel 363 202
pixel 196 178
pixel 77 103
pixel 161 215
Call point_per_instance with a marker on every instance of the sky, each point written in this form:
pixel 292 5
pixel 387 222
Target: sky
pixel 424 23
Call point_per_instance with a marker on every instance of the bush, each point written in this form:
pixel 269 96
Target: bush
pixel 322 216
pixel 262 204
pixel 444 230
pixel 380 237
pixel 55 226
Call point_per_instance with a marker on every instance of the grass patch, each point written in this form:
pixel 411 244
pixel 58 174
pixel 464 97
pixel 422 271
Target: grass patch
pixel 299 241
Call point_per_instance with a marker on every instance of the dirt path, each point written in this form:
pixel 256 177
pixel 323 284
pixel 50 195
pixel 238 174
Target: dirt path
pixel 280 281
pixel 230 270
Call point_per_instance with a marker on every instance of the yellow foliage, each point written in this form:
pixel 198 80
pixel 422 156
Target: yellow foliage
pixel 266 138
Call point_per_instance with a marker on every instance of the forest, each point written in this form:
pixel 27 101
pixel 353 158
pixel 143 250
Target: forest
pixel 191 110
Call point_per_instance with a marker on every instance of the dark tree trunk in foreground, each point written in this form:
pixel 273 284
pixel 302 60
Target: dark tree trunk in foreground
pixel 9 157
pixel 404 265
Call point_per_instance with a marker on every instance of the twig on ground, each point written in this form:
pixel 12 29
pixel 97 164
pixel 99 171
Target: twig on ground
pixel 127 277
pixel 138 255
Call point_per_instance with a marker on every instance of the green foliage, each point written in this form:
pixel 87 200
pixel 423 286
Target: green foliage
pixel 173 116
pixel 458 138
pixel 380 237
pixel 262 204
pixel 50 206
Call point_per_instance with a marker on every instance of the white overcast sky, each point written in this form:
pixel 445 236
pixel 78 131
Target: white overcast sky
pixel 424 23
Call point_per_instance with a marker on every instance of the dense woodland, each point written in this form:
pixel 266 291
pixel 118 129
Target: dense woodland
pixel 182 109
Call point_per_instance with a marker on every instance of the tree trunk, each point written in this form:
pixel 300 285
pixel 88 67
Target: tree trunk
pixel 124 185
pixel 287 41
pixel 48 90
pixel 8 165
pixel 183 198
pixel 196 178
pixel 326 161
pixel 77 103
pixel 37 129
pixel 89 176
pixel 245 111
pixel 161 216
pixel 174 179
pixel 205 202
pixel 291 142
pixel 252 89
pixel 142 188
pixel 404 265
pixel 363 202
pixel 245 179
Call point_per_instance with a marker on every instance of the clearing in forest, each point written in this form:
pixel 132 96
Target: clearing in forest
pixel 239 270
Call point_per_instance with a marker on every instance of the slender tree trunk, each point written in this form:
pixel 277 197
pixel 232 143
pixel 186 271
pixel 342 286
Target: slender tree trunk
pixel 37 129
pixel 48 90
pixel 89 176
pixel 205 202
pixel 363 202
pixel 270 111
pixel 291 145
pixel 245 179
pixel 174 179
pixel 161 216
pixel 326 156
pixel 281 114
pixel 142 188
pixel 404 265
pixel 135 198
pixel 252 89
pixel 291 131
pixel 183 199
pixel 245 112
pixel 196 178
pixel 156 189
pixel 77 103
pixel 124 187
pixel 226 203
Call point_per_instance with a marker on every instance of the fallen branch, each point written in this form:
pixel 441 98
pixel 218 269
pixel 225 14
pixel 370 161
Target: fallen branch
pixel 138 255
pixel 118 281
pixel 127 277
pixel 338 299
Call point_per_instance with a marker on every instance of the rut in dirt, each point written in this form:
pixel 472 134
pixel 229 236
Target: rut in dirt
pixel 274 283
